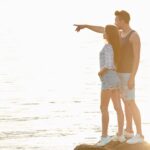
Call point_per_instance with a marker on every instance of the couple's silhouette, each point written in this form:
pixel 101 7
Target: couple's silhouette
pixel 119 61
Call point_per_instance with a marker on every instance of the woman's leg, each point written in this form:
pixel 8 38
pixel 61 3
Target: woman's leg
pixel 129 118
pixel 117 106
pixel 105 98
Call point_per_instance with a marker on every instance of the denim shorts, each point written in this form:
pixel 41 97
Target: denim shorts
pixel 110 80
pixel 126 93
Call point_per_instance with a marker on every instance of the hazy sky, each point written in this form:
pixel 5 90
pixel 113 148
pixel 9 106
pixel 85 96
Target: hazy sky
pixel 45 26
pixel 37 37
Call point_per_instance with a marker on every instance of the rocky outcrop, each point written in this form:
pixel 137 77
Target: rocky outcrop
pixel 115 146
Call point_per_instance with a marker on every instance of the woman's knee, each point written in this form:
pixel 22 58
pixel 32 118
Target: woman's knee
pixel 118 108
pixel 104 109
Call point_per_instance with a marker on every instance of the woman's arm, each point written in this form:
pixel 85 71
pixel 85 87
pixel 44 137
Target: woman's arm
pixel 108 60
pixel 98 29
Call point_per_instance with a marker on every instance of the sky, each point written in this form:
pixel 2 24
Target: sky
pixel 38 39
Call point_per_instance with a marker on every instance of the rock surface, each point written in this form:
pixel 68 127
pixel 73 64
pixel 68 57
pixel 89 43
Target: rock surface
pixel 115 146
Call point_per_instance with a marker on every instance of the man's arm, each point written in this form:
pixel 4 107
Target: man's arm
pixel 135 40
pixel 98 29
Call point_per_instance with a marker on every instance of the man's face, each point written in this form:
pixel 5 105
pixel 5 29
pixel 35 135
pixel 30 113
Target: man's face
pixel 118 22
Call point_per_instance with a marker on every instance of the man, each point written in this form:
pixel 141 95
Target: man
pixel 127 69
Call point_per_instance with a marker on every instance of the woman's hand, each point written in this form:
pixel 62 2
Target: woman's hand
pixel 79 27
pixel 99 73
pixel 102 72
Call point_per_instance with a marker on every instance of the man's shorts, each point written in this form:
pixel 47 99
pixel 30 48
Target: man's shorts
pixel 126 93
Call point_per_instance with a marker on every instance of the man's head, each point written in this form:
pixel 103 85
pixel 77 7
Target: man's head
pixel 122 18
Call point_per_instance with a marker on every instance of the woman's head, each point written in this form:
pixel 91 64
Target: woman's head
pixel 112 36
pixel 111 33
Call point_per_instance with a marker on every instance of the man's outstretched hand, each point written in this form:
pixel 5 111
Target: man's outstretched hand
pixel 79 27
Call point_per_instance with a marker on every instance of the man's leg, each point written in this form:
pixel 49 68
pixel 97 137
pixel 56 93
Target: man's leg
pixel 126 94
pixel 138 138
pixel 131 109
pixel 135 113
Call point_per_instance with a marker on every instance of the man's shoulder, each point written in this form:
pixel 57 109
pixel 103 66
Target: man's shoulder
pixel 134 36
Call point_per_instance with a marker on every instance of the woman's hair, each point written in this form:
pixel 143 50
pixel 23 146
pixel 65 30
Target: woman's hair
pixel 113 38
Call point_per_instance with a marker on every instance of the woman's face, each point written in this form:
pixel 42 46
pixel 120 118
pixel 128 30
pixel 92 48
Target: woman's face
pixel 105 35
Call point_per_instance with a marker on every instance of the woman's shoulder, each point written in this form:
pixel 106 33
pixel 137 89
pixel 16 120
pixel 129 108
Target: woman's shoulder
pixel 108 47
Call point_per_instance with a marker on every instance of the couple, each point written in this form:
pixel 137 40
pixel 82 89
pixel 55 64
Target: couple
pixel 119 61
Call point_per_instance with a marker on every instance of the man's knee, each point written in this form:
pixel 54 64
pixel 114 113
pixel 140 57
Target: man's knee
pixel 130 104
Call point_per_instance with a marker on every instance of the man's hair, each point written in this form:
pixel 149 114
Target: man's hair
pixel 123 15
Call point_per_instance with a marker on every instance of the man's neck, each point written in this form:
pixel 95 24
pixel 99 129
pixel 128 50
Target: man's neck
pixel 126 29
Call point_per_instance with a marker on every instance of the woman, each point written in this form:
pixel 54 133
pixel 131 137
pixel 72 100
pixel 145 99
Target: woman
pixel 109 59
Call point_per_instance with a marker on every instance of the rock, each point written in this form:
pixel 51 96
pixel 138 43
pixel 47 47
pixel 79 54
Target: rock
pixel 115 146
